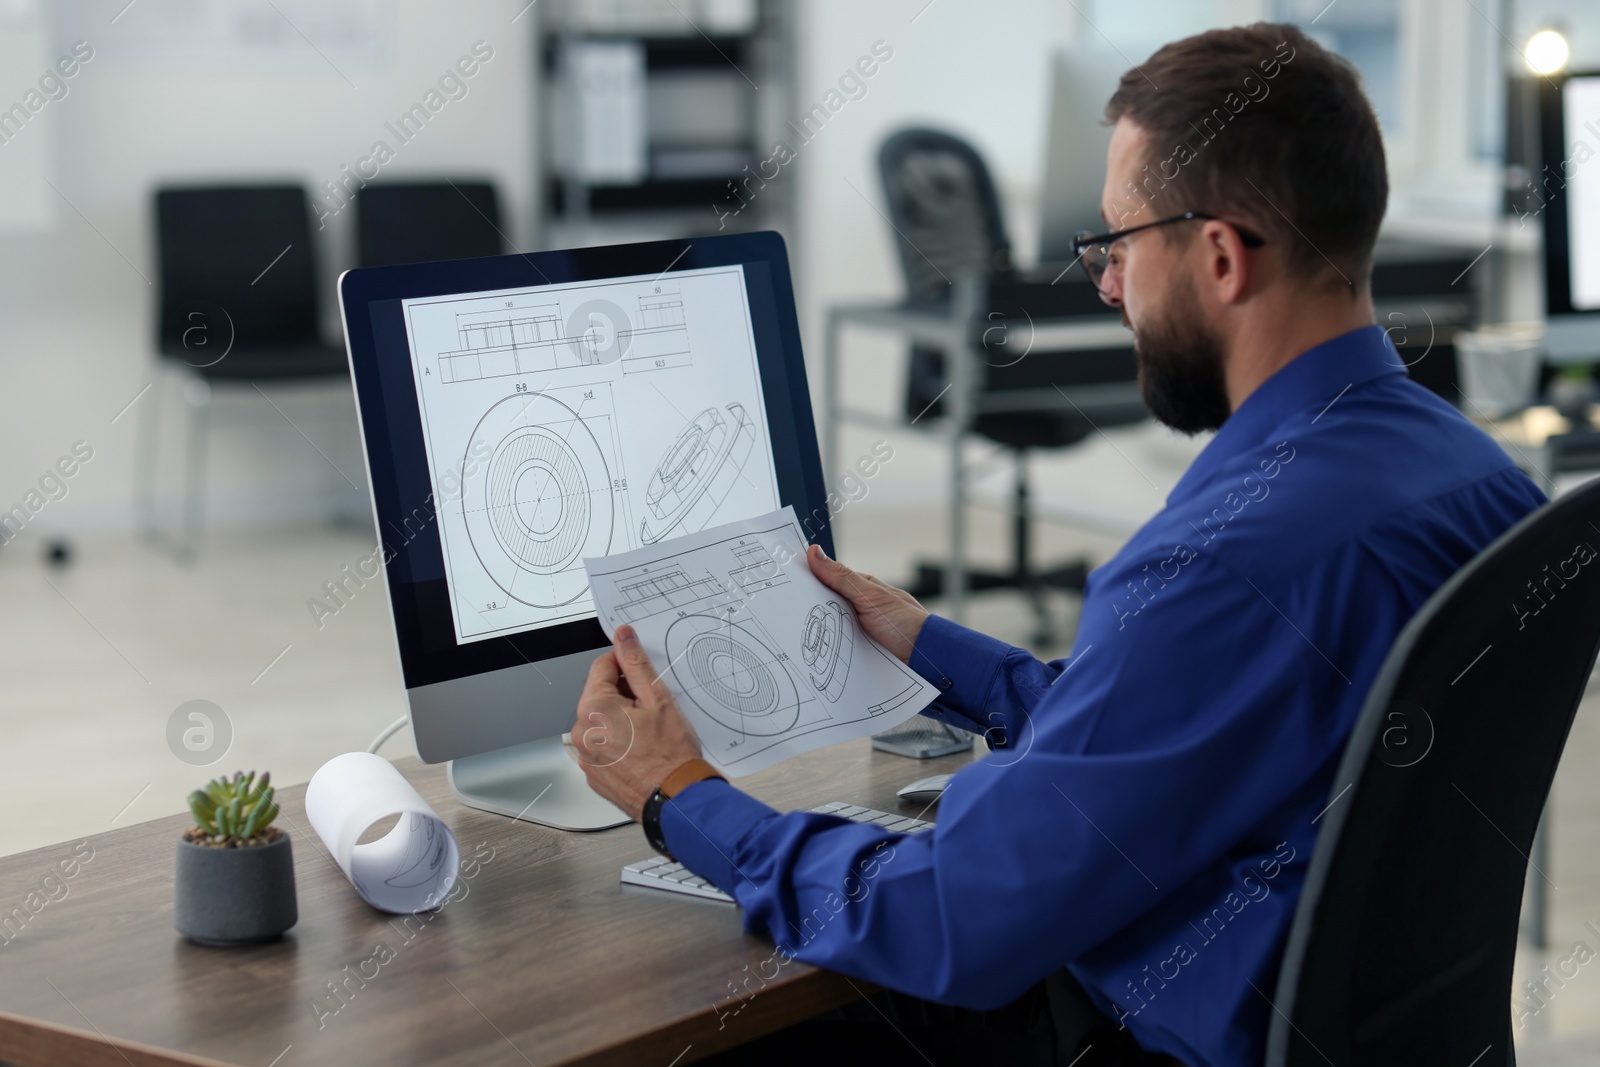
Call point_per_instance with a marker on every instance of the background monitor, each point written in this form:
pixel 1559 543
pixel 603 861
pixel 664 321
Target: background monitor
pixel 1569 186
pixel 521 412
pixel 1081 83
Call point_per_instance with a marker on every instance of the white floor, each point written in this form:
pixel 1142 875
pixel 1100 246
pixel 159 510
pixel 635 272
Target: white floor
pixel 102 652
pixel 98 656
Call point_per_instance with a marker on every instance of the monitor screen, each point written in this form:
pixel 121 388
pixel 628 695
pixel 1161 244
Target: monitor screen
pixel 1580 99
pixel 572 420
pixel 520 413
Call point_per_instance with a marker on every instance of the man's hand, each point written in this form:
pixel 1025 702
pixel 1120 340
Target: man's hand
pixel 629 734
pixel 892 617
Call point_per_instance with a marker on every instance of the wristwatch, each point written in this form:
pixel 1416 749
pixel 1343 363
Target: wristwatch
pixel 685 775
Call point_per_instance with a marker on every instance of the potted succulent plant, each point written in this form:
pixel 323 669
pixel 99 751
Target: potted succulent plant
pixel 235 878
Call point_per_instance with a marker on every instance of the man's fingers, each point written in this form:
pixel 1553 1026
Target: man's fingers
pixel 833 574
pixel 636 668
pixel 600 689
pixel 604 674
pixel 821 566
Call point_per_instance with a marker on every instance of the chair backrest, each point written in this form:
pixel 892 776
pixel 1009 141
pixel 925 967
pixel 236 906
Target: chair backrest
pixel 424 222
pixel 1402 946
pixel 240 250
pixel 944 209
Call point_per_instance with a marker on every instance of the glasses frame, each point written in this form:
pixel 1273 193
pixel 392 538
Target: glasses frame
pixel 1084 240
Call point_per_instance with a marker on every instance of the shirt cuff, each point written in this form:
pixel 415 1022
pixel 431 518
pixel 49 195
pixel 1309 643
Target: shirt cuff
pixel 703 826
pixel 963 664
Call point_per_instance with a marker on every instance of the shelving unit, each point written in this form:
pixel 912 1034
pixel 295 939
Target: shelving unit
pixel 657 115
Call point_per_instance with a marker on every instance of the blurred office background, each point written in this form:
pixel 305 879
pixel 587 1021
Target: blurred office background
pixel 592 122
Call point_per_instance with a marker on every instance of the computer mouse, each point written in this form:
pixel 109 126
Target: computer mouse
pixel 925 790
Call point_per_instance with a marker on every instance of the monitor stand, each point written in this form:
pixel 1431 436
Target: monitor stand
pixel 537 782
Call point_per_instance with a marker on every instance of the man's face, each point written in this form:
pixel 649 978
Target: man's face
pixel 1151 278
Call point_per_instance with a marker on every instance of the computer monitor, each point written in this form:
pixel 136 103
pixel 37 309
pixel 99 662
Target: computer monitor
pixel 522 412
pixel 1082 81
pixel 1569 186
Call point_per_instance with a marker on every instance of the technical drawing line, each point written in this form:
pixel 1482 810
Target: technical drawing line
pixel 827 640
pixel 733 676
pixel 542 501
pixel 743 476
pixel 541 475
pixel 514 341
pixel 753 681
pixel 697 472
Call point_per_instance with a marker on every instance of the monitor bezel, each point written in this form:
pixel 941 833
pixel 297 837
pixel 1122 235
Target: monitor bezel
pixel 1552 154
pixel 370 303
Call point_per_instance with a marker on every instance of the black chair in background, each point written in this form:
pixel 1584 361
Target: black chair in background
pixel 421 222
pixel 1424 295
pixel 237 304
pixel 948 222
pixel 1402 946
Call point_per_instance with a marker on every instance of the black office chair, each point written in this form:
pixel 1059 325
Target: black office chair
pixel 421 222
pixel 1402 946
pixel 237 304
pixel 947 221
pixel 1424 296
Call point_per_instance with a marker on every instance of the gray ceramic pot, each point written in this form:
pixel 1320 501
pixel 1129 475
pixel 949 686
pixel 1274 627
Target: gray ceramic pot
pixel 234 896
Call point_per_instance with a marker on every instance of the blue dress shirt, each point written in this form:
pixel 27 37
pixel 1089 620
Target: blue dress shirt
pixel 1149 806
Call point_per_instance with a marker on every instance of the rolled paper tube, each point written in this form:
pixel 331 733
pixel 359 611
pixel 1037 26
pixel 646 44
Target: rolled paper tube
pixel 413 867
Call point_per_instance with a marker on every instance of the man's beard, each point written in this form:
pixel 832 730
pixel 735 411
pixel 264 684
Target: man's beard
pixel 1180 365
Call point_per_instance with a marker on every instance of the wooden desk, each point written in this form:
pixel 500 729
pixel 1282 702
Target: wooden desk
pixel 547 959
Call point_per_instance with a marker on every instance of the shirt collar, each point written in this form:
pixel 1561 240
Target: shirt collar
pixel 1312 381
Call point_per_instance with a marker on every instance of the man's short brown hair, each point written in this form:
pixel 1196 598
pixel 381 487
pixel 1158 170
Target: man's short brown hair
pixel 1266 128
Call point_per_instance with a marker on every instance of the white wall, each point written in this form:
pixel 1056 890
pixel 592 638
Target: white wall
pixel 76 306
pixel 75 346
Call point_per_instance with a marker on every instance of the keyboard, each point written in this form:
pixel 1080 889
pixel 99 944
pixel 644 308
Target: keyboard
pixel 658 872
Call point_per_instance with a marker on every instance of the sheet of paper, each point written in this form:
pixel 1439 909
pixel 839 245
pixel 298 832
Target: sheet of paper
pixel 413 867
pixel 766 661
pixel 579 419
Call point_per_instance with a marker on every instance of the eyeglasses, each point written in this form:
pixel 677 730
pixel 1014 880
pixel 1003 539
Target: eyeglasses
pixel 1094 249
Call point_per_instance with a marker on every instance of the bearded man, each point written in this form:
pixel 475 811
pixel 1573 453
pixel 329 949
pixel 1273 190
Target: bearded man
pixel 1115 882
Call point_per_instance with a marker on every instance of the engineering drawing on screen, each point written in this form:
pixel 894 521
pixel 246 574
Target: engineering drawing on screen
pixel 764 659
pixel 567 421
pixel 545 497
pixel 697 472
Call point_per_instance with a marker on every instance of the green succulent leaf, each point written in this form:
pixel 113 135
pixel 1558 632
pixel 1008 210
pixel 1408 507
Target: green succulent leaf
pixel 201 807
pixel 237 806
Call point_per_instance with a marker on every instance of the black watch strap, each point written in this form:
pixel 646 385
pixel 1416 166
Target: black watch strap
pixel 650 819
